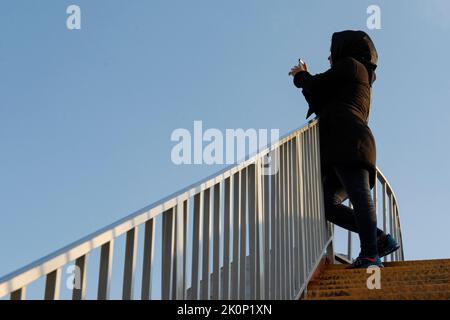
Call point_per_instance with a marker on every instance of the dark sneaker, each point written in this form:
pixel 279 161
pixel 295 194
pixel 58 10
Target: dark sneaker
pixel 387 245
pixel 365 262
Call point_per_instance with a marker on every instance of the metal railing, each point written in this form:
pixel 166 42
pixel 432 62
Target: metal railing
pixel 239 234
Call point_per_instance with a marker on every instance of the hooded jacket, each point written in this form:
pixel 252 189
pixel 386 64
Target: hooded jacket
pixel 341 99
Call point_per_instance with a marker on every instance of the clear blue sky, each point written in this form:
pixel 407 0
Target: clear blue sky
pixel 86 116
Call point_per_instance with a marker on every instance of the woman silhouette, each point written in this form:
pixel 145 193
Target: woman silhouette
pixel 340 97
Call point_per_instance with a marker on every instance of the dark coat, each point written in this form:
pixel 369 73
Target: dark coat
pixel 341 97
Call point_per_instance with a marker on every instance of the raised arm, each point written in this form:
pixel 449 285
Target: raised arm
pixel 323 83
pixel 319 88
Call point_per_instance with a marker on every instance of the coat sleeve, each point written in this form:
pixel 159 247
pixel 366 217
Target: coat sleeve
pixel 313 103
pixel 323 83
pixel 319 88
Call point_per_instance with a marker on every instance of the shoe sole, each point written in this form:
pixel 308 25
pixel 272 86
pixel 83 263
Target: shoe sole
pixel 390 251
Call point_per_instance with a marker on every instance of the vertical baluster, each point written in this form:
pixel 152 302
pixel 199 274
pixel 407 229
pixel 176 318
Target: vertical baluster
pixel 273 231
pixel 180 251
pixel 216 244
pixel 206 239
pixel 185 231
pixel 324 230
pixel 318 240
pixel 19 294
pixel 243 236
pixel 236 227
pixel 53 285
pixel 267 231
pixel 196 247
pixel 288 186
pixel 252 229
pixel 384 213
pixel 327 226
pixel 303 203
pixel 395 212
pixel 259 232
pixel 282 234
pixel 293 220
pixel 174 260
pixel 130 263
pixel 105 270
pixel 262 234
pixel 308 197
pixel 79 290
pixel 317 220
pixel 391 226
pixel 295 212
pixel 397 234
pixel 375 194
pixel 226 240
pixel 286 220
pixel 350 238
pixel 303 255
pixel 286 215
pixel 167 254
pixel 147 266
pixel 315 223
pixel 278 225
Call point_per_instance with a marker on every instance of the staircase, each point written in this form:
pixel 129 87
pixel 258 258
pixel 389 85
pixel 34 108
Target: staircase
pixel 406 280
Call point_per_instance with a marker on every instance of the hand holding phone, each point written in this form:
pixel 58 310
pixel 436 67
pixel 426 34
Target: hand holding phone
pixel 300 67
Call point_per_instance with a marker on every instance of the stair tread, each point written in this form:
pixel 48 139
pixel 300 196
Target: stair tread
pixel 383 296
pixel 384 288
pixel 436 262
pixel 386 284
pixel 390 270
pixel 419 279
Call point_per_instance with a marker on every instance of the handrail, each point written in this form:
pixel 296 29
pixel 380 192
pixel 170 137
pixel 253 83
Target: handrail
pixel 269 229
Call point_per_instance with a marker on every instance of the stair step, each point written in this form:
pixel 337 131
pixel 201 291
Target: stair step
pixel 323 280
pixel 405 280
pixel 393 290
pixel 436 262
pixel 386 285
pixel 435 295
pixel 314 285
pixel 387 271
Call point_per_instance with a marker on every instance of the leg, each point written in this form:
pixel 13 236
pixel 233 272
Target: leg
pixel 356 183
pixel 335 212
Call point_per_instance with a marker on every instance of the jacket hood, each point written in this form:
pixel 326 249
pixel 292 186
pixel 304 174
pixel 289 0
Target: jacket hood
pixel 358 45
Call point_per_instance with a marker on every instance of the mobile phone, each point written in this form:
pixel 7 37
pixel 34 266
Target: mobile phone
pixel 300 61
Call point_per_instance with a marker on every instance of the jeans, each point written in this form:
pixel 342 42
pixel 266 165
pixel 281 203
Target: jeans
pixel 342 181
